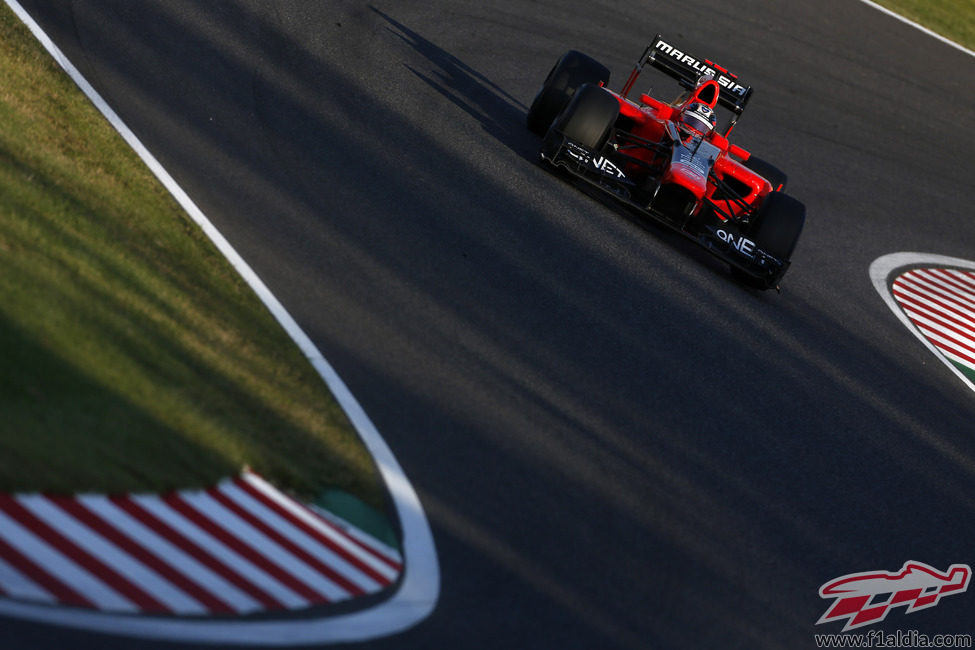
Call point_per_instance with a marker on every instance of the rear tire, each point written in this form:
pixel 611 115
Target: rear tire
pixel 589 117
pixel 570 72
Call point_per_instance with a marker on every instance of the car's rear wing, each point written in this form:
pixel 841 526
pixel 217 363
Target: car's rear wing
pixel 687 69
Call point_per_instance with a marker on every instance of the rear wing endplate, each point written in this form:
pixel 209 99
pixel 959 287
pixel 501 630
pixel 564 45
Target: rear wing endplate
pixel 688 69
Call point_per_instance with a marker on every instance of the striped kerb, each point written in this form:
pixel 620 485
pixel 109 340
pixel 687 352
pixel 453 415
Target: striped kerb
pixel 941 304
pixel 240 547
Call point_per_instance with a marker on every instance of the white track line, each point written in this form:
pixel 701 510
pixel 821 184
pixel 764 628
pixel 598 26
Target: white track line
pixel 880 274
pixel 419 588
pixel 922 28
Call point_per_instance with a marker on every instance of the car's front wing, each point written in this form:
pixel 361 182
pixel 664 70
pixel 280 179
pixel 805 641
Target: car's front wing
pixel 605 171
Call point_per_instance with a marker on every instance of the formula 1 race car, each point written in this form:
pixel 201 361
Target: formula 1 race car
pixel 671 161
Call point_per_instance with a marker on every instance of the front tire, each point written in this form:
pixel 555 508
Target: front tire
pixel 780 223
pixel 776 231
pixel 572 70
pixel 588 117
pixel 775 176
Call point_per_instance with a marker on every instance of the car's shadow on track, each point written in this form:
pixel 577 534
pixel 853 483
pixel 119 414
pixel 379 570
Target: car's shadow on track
pixel 500 114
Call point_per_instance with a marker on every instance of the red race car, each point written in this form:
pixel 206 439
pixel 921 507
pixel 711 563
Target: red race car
pixel 670 160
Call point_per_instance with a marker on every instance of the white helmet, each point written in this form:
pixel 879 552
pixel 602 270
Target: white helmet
pixel 699 117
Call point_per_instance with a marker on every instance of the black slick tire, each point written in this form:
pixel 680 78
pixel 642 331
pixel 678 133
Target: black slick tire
pixel 779 224
pixel 572 70
pixel 589 117
pixel 775 176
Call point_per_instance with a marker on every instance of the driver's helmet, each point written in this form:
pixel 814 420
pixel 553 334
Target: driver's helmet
pixel 699 117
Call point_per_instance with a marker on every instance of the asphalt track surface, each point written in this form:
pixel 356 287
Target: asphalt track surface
pixel 615 443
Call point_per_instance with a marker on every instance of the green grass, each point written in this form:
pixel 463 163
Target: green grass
pixel 953 19
pixel 132 356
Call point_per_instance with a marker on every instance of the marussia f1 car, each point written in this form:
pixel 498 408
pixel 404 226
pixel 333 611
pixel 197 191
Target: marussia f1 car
pixel 671 161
